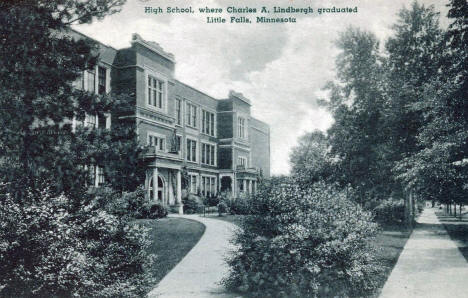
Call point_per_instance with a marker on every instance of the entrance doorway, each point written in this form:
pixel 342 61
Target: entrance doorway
pixel 226 183
pixel 160 189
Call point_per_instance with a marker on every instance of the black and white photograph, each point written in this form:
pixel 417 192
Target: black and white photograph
pixel 234 148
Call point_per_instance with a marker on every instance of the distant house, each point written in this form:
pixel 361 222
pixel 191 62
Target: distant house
pixel 215 143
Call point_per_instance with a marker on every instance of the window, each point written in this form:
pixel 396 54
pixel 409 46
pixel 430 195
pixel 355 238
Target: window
pixel 156 141
pixel 193 183
pixel 208 123
pixel 100 176
pixel 102 122
pixel 79 82
pixel 155 92
pixel 242 161
pixel 191 150
pixel 208 186
pixel 179 142
pixel 178 110
pixel 102 80
pixel 240 185
pixel 90 120
pixel 91 81
pixel 241 128
pixel 191 113
pixel 92 176
pixel 208 154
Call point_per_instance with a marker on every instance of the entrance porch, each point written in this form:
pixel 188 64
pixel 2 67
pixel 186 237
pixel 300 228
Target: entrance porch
pixel 168 187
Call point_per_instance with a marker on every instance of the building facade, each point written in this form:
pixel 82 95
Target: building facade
pixel 196 143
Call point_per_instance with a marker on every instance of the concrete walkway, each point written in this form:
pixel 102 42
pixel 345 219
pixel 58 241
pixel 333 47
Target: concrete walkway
pixel 430 264
pixel 201 270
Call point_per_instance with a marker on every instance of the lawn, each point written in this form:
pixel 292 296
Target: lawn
pixel 457 229
pixel 389 243
pixel 172 239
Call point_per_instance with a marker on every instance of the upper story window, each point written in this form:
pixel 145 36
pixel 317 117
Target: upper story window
pixel 91 87
pixel 178 111
pixel 79 82
pixel 191 150
pixel 179 142
pixel 94 121
pixel 241 128
pixel 156 141
pixel 155 92
pixel 242 161
pixel 102 80
pixel 208 123
pixel 191 113
pixel 208 154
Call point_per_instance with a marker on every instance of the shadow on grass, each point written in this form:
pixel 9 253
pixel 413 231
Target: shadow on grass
pixel 172 239
pixel 389 244
pixel 457 230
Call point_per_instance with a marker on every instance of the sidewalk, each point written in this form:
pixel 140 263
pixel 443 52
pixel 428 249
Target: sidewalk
pixel 430 264
pixel 199 272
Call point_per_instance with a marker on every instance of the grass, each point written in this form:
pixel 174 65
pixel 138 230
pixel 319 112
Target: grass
pixel 172 239
pixel 457 229
pixel 389 243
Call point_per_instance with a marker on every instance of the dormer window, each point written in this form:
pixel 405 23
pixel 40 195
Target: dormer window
pixel 155 92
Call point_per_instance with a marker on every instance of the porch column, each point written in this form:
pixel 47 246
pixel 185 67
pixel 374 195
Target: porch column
pixel 245 185
pixel 147 184
pixel 179 193
pixel 155 184
pixel 250 186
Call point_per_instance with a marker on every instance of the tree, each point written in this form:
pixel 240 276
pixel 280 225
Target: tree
pixel 56 241
pixel 39 100
pixel 356 100
pixel 439 169
pixel 310 160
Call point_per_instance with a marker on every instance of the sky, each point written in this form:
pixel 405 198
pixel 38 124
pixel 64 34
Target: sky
pixel 281 68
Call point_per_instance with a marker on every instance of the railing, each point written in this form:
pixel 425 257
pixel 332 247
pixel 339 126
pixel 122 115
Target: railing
pixel 243 168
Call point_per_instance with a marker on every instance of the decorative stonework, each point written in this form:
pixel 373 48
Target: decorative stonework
pixel 153 46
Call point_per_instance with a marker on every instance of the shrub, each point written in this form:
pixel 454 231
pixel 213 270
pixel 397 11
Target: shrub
pixel 129 204
pixel 239 206
pixel 303 243
pixel 50 250
pixel 222 208
pixel 154 211
pixel 390 211
pixel 211 201
pixel 192 204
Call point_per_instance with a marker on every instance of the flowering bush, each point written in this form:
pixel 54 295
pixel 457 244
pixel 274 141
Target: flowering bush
pixel 46 250
pixel 303 243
